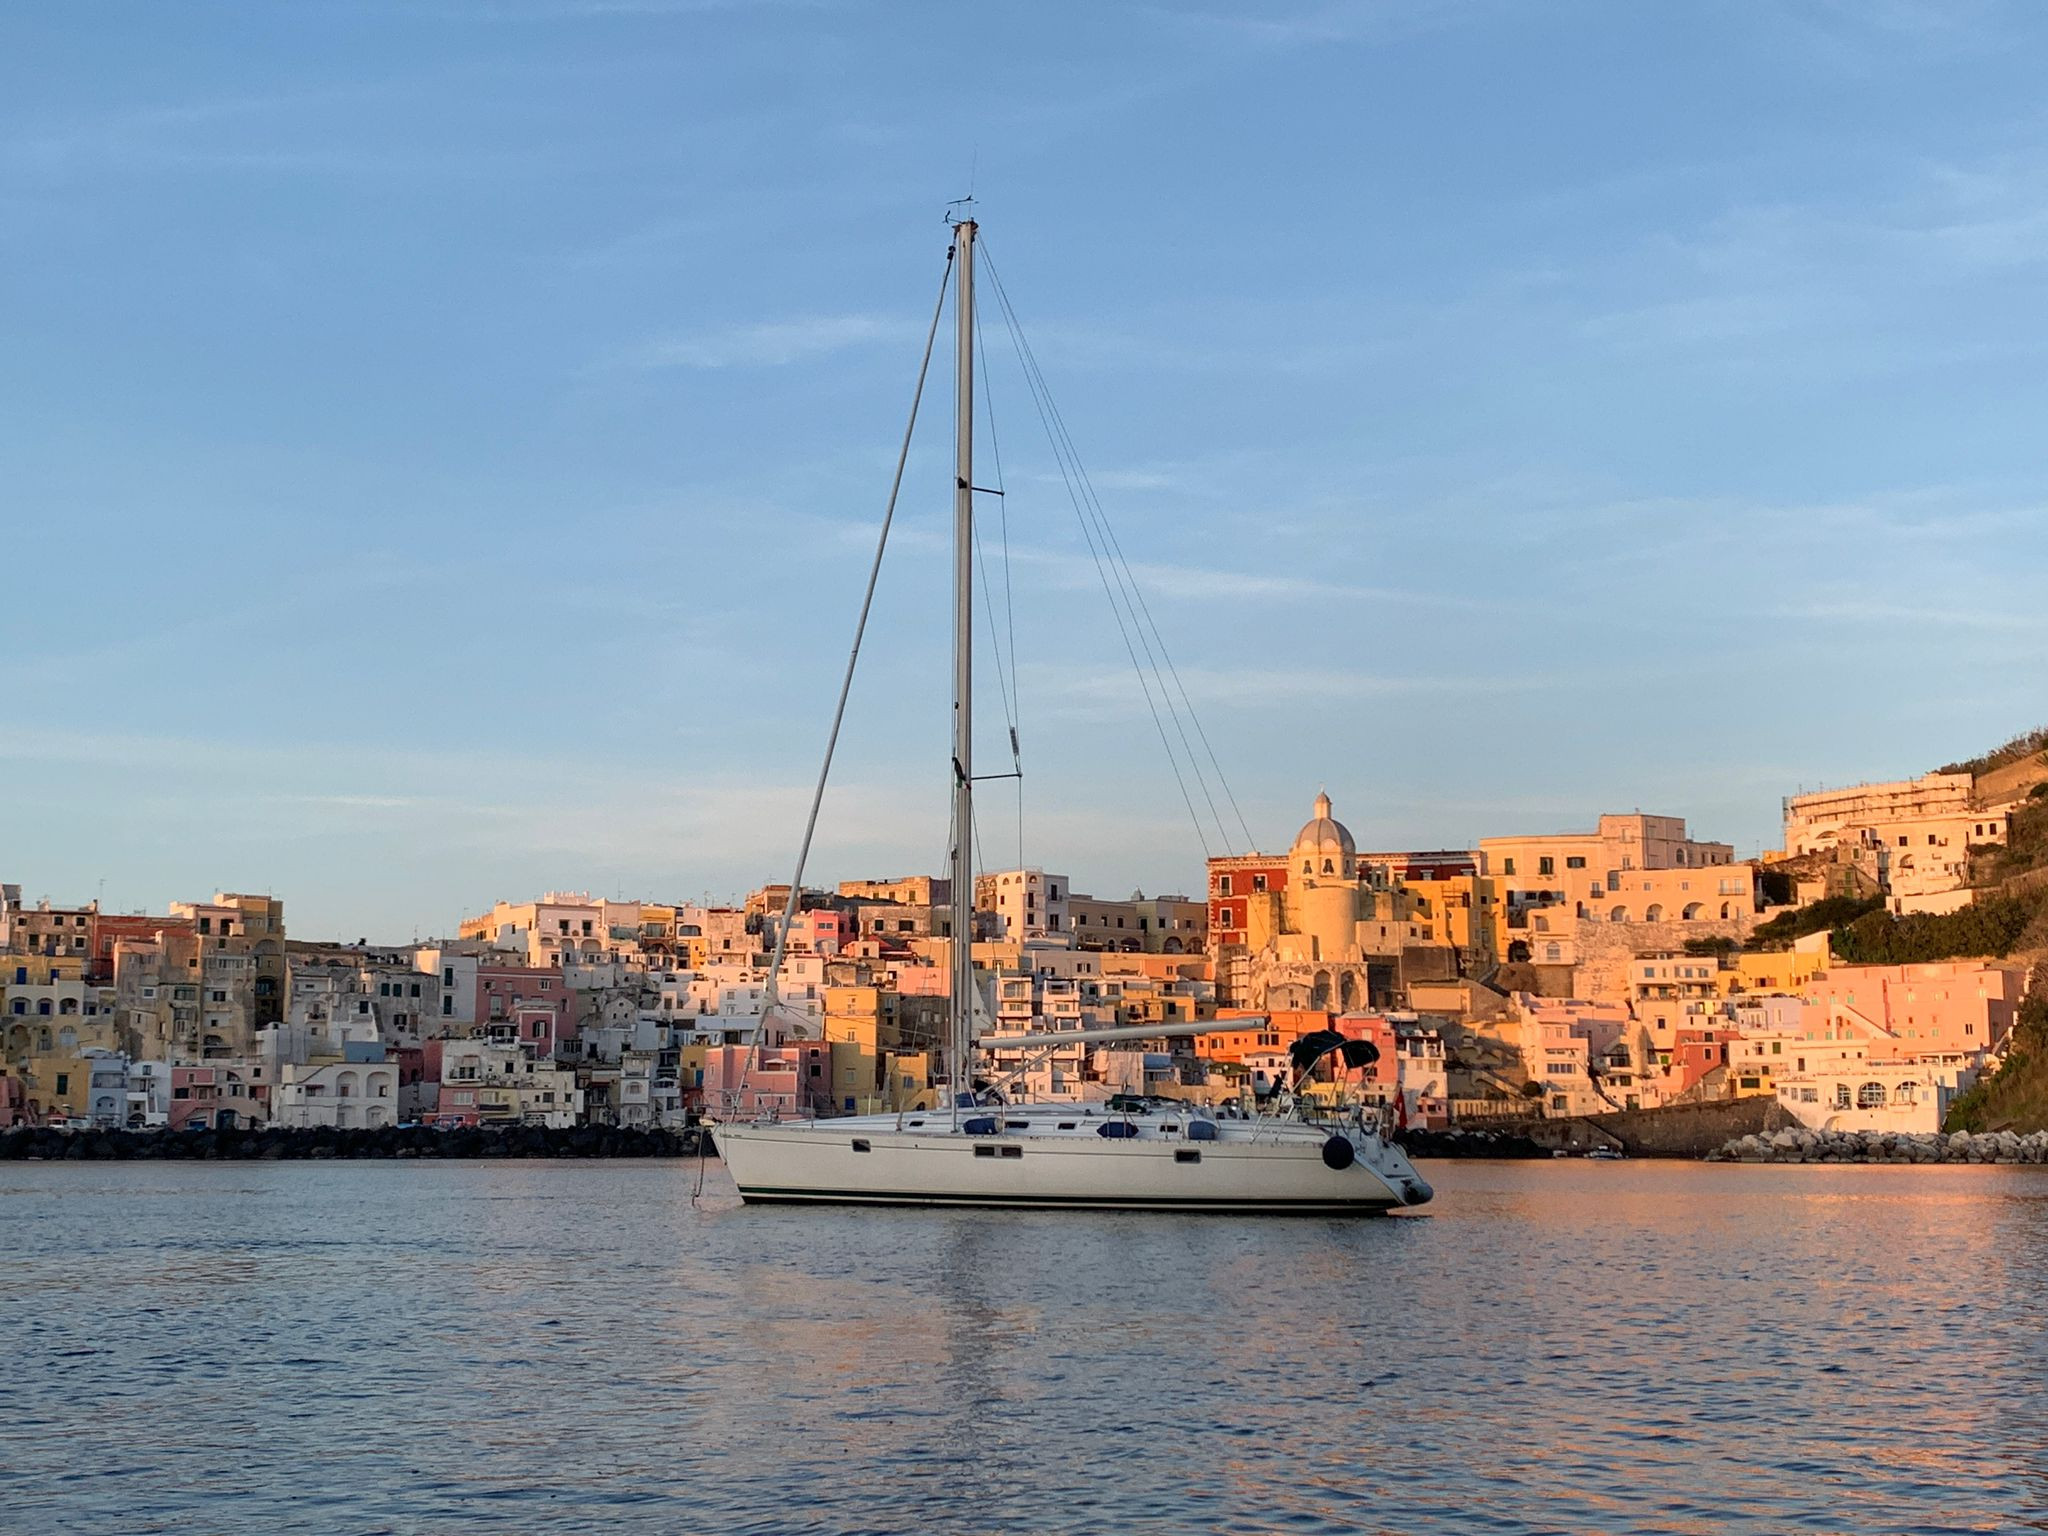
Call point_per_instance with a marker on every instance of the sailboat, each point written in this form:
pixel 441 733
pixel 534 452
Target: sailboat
pixel 1129 1152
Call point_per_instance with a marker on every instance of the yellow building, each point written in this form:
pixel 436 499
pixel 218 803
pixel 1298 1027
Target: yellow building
pixel 1783 970
pixel 906 1081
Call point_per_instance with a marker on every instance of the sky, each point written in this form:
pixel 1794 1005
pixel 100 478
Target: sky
pixel 442 441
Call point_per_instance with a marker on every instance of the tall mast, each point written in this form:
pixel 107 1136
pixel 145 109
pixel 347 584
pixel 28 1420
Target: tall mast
pixel 960 1071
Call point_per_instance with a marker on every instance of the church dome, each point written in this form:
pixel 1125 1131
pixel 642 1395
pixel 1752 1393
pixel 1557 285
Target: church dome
pixel 1325 835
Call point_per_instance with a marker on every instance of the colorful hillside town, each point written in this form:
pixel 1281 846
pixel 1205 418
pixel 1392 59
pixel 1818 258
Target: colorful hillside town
pixel 1630 965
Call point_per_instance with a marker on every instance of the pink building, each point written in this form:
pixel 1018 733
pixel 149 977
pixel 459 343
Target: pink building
pixel 222 1096
pixel 456 1106
pixel 526 1005
pixel 821 931
pixel 1954 1009
pixel 767 1088
pixel 919 980
pixel 1695 1056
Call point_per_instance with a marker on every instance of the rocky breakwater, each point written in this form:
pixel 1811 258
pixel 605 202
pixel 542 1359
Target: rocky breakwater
pixel 1799 1145
pixel 1467 1143
pixel 272 1144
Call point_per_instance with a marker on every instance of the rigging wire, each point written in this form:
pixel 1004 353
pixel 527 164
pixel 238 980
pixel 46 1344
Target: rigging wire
pixel 1135 603
pixel 771 997
pixel 1016 699
pixel 1136 626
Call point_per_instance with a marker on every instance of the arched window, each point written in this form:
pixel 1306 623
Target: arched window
pixel 1655 914
pixel 1905 1093
pixel 1725 913
pixel 67 1039
pixel 1618 915
pixel 1308 866
pixel 1691 914
pixel 1870 1096
pixel 68 1006
pixel 1329 868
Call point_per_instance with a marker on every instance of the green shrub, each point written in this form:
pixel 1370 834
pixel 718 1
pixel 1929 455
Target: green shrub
pixel 1830 912
pixel 1987 927
pixel 2016 1095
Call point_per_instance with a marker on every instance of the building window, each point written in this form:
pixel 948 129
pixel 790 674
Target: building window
pixel 1507 866
pixel 1574 861
pixel 1546 865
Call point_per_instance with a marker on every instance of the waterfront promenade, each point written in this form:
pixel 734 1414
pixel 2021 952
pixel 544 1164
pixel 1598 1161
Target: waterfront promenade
pixel 576 1346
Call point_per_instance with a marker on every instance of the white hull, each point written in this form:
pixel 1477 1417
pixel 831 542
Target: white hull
pixel 881 1160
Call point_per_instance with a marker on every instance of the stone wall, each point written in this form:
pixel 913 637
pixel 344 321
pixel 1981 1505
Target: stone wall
pixel 1693 1130
pixel 1605 950
pixel 1679 1130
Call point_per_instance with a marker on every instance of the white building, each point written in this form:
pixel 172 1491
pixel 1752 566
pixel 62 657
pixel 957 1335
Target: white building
pixel 348 1094
pixel 149 1095
pixel 1025 903
pixel 1841 1089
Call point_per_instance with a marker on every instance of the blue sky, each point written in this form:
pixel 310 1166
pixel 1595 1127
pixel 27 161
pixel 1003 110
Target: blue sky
pixel 440 441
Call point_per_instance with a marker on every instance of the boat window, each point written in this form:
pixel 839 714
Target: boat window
pixel 1012 1151
pixel 1018 1125
pixel 984 1151
pixel 1186 1155
pixel 1070 1125
pixel 860 1144
pixel 915 1124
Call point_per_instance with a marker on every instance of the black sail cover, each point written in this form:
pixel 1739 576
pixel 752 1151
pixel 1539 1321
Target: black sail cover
pixel 1360 1053
pixel 1312 1048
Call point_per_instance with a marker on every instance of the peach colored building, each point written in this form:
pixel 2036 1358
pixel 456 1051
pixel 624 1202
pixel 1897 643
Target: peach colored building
pixel 1631 869
pixel 1952 1011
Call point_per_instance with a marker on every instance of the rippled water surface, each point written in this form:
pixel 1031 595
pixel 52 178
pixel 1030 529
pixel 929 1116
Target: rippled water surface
pixel 366 1347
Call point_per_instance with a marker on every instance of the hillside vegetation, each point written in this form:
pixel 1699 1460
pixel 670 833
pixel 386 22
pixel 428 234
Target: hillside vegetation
pixel 1999 757
pixel 2014 1098
pixel 1829 913
pixel 1990 926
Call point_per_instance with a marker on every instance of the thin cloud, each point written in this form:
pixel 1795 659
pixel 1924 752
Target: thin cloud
pixel 772 344
pixel 1963 615
pixel 1257 687
pixel 1205 583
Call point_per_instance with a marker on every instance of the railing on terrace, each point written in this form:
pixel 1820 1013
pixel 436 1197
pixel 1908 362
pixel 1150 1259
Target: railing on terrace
pixel 1496 1109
